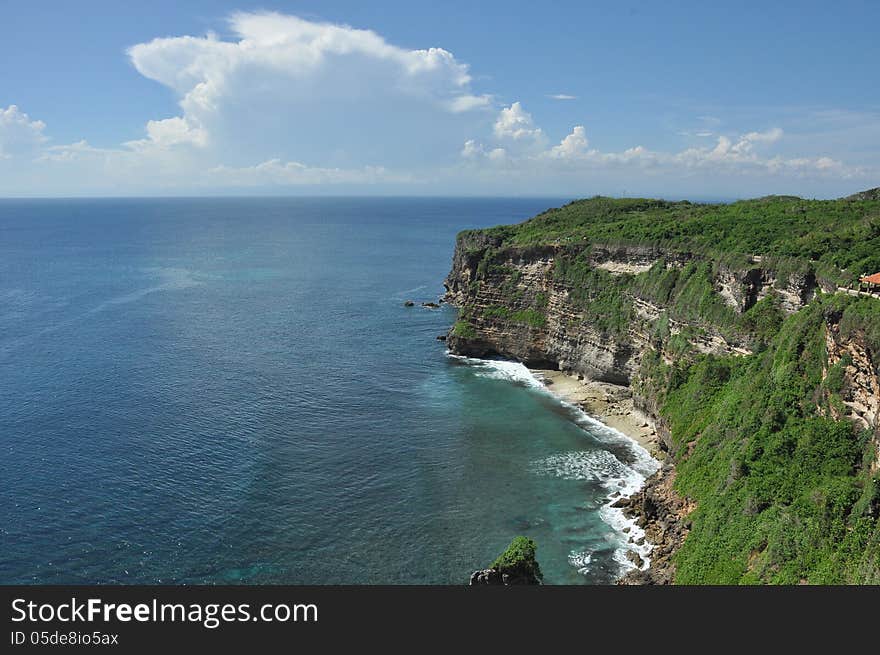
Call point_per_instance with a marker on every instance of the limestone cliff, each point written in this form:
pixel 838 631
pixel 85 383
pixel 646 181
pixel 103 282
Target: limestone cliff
pixel 851 373
pixel 514 304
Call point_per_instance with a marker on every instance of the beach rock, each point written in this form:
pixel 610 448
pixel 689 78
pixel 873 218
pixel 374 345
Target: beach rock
pixel 408 303
pixel 664 516
pixel 495 577
pixel 621 502
pixel 430 305
pixel 441 337
pixel 486 577
pixel 635 558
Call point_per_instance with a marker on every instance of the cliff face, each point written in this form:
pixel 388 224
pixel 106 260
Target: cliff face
pixel 620 313
pixel 851 372
pixel 520 307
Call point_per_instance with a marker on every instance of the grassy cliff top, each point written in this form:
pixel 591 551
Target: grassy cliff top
pixel 836 235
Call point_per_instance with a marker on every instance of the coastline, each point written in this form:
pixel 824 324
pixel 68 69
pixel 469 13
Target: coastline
pixel 610 404
pixel 647 515
pixel 655 516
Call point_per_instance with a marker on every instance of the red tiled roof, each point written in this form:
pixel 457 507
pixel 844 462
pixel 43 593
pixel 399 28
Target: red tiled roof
pixel 872 279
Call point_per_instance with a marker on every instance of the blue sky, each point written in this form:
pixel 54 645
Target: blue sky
pixel 677 99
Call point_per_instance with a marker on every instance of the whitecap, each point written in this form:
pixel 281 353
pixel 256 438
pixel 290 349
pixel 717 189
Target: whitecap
pixel 581 560
pixel 500 369
pixel 596 465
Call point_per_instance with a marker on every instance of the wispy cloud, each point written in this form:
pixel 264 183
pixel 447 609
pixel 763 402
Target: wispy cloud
pixel 562 96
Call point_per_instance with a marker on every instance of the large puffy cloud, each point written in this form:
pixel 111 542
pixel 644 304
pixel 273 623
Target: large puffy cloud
pixel 19 135
pixel 203 70
pixel 171 132
pixel 573 145
pixel 282 101
pixel 516 123
pixel 289 87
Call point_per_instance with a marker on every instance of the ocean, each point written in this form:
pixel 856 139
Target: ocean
pixel 232 391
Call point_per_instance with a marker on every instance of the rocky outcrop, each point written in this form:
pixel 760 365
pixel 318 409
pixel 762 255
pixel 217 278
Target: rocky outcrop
pixel 561 340
pixel 855 380
pixel 742 289
pixel 486 577
pixel 621 259
pixel 496 577
pixel 517 565
pixel 663 515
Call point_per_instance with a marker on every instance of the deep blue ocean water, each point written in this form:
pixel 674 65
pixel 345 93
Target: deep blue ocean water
pixel 231 391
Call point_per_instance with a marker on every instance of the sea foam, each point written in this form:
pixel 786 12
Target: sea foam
pixel 600 466
pixel 499 369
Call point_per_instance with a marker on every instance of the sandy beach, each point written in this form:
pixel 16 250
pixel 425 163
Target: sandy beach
pixel 610 403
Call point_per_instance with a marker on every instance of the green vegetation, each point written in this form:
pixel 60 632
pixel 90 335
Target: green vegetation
pixel 783 492
pixel 839 239
pixel 531 317
pixel 686 293
pixel 519 560
pixel 464 330
pixel 597 293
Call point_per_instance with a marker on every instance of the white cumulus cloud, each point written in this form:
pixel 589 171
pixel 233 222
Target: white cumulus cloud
pixel 573 156
pixel 573 145
pixel 516 123
pixel 171 132
pixel 289 87
pixel 19 134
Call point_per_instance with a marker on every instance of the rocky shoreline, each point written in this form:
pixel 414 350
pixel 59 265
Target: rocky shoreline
pixel 655 508
pixel 662 514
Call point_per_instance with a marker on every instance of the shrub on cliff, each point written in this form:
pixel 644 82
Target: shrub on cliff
pixel 464 330
pixel 822 235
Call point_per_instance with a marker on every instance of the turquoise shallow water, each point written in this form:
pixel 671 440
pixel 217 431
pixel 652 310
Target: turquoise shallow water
pixel 231 391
